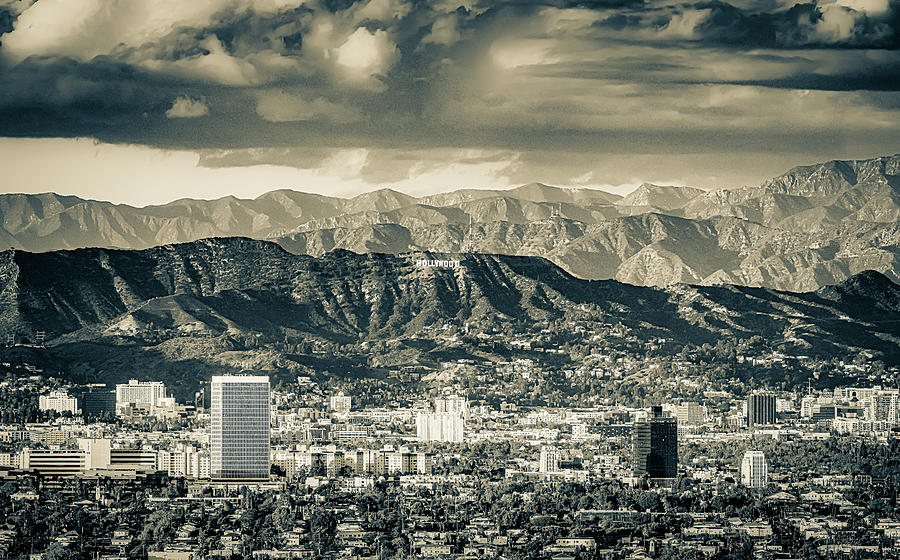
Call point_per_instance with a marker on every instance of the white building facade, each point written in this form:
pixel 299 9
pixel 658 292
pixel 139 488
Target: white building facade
pixel 60 401
pixel 754 470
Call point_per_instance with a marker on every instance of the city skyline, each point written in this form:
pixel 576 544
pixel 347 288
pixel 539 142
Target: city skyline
pixel 449 279
pixel 613 475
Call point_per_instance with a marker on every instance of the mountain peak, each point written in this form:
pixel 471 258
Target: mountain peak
pixel 380 200
pixel 665 197
pixel 868 281
pixel 868 284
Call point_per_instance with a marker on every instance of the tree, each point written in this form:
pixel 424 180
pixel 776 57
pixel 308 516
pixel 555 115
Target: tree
pixel 322 529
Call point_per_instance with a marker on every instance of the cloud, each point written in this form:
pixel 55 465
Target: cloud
pixel 444 31
pixel 507 77
pixel 823 23
pixel 383 10
pixel 366 55
pixel 84 29
pixel 280 106
pixel 185 107
pixel 213 64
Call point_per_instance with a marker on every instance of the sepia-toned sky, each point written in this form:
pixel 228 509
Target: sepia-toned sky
pixel 146 101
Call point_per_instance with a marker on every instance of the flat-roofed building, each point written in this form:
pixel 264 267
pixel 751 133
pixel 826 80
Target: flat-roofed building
pixel 143 395
pixel 754 470
pixel 239 427
pixel 440 426
pixel 60 401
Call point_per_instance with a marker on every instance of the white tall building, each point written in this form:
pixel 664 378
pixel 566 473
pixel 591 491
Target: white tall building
pixel 239 427
pixel 59 401
pixel 754 470
pixel 452 404
pixel 142 394
pixel 440 426
pixel 340 403
pixel 549 462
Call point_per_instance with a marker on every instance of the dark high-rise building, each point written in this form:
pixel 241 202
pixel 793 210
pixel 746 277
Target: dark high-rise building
pixel 655 446
pixel 760 409
pixel 98 402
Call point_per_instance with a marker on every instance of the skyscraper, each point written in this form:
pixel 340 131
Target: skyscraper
pixel 655 446
pixel 239 428
pixel 754 471
pixel 760 409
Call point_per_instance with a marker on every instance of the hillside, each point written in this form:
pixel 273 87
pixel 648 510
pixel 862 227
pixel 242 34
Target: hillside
pixel 810 227
pixel 187 306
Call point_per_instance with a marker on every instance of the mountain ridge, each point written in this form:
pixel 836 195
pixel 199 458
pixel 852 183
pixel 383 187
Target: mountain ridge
pixel 811 226
pixel 187 310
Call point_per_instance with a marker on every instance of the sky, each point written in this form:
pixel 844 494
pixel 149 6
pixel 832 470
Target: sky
pixel 147 101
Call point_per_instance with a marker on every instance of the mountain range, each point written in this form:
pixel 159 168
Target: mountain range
pixel 810 227
pixel 217 285
pixel 186 311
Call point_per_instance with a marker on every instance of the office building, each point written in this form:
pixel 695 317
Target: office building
pixel 339 404
pixel 91 454
pixel 754 471
pixel 130 458
pixel 655 446
pixel 760 409
pixel 884 407
pixel 823 413
pixel 60 401
pixel 135 395
pixel 97 453
pixel 690 414
pixel 549 461
pixel 239 428
pixel 54 462
pixel 452 404
pixel 98 402
pixel 440 426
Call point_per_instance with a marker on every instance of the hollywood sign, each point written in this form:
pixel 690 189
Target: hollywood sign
pixel 432 263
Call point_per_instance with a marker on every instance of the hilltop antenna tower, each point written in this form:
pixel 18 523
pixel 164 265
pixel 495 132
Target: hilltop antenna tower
pixel 556 211
pixel 468 244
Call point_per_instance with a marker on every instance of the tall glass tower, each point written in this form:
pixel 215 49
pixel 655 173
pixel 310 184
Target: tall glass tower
pixel 655 446
pixel 239 427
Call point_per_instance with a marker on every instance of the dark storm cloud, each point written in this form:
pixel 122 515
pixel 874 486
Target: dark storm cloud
pixel 43 95
pixel 812 24
pixel 516 75
pixel 879 79
pixel 7 18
